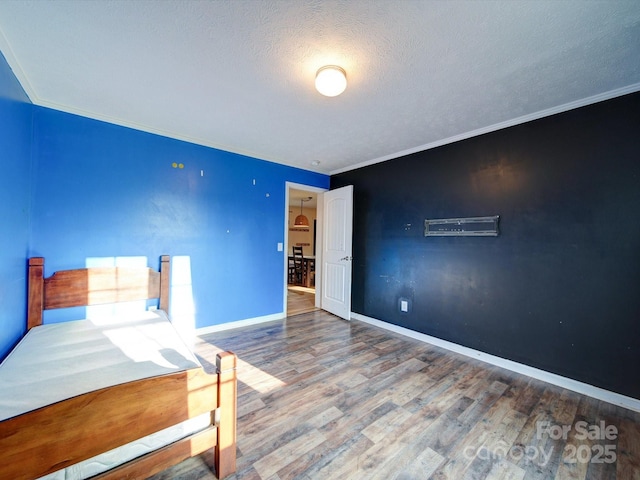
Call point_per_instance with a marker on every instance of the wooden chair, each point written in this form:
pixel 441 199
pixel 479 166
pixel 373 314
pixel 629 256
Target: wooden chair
pixel 312 273
pixel 292 272
pixel 297 272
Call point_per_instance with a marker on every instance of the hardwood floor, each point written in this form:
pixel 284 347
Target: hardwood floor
pixel 322 398
pixel 300 300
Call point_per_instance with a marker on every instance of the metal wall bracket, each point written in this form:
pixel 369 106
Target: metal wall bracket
pixel 456 227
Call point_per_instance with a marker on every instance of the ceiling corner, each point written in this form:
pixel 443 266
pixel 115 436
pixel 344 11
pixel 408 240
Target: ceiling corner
pixel 11 59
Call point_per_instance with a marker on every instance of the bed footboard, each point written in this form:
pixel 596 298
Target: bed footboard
pixel 226 414
pixel 54 437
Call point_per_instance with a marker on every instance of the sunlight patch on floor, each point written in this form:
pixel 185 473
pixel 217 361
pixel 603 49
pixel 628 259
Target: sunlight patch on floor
pixel 256 378
pixel 249 374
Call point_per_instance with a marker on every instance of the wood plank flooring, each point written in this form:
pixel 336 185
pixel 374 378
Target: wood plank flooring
pixel 300 300
pixel 322 398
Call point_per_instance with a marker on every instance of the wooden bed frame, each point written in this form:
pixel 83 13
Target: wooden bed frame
pixel 62 434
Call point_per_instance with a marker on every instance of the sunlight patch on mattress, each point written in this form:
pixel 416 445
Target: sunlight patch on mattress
pixel 146 343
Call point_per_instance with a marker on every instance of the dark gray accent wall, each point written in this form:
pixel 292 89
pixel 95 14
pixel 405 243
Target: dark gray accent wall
pixel 559 288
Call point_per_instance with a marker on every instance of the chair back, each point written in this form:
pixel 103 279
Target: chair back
pixel 298 265
pixel 297 255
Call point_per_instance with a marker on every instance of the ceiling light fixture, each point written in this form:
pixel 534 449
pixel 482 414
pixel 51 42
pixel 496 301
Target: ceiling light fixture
pixel 331 80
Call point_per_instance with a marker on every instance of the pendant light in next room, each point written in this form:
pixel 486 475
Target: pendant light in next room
pixel 301 221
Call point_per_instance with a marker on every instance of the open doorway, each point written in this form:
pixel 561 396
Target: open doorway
pixel 301 272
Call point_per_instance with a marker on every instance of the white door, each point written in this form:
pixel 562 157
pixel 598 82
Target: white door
pixel 336 251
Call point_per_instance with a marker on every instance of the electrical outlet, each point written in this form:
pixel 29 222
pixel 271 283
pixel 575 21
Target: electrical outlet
pixel 404 305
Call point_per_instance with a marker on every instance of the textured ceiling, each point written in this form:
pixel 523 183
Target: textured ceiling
pixel 239 75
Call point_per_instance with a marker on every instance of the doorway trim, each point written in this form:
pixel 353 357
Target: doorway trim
pixel 285 263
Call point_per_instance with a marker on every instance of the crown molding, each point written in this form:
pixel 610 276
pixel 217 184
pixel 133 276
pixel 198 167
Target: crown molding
pixel 499 126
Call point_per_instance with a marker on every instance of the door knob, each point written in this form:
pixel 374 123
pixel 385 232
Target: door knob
pixel 347 258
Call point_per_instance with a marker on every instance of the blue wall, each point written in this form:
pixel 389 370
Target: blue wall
pixel 15 164
pixel 102 190
pixel 74 189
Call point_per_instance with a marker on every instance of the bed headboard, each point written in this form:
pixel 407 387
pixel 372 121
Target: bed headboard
pixel 93 286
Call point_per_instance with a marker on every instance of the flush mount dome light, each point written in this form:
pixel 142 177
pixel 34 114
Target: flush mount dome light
pixel 331 80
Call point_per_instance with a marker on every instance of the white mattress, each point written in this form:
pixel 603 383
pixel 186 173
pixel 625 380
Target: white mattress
pixel 59 361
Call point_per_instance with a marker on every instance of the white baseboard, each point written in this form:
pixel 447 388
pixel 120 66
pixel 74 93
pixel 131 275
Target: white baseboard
pixel 552 378
pixel 240 323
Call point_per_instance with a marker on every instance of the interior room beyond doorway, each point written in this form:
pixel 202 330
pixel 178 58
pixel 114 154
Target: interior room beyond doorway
pixel 301 252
